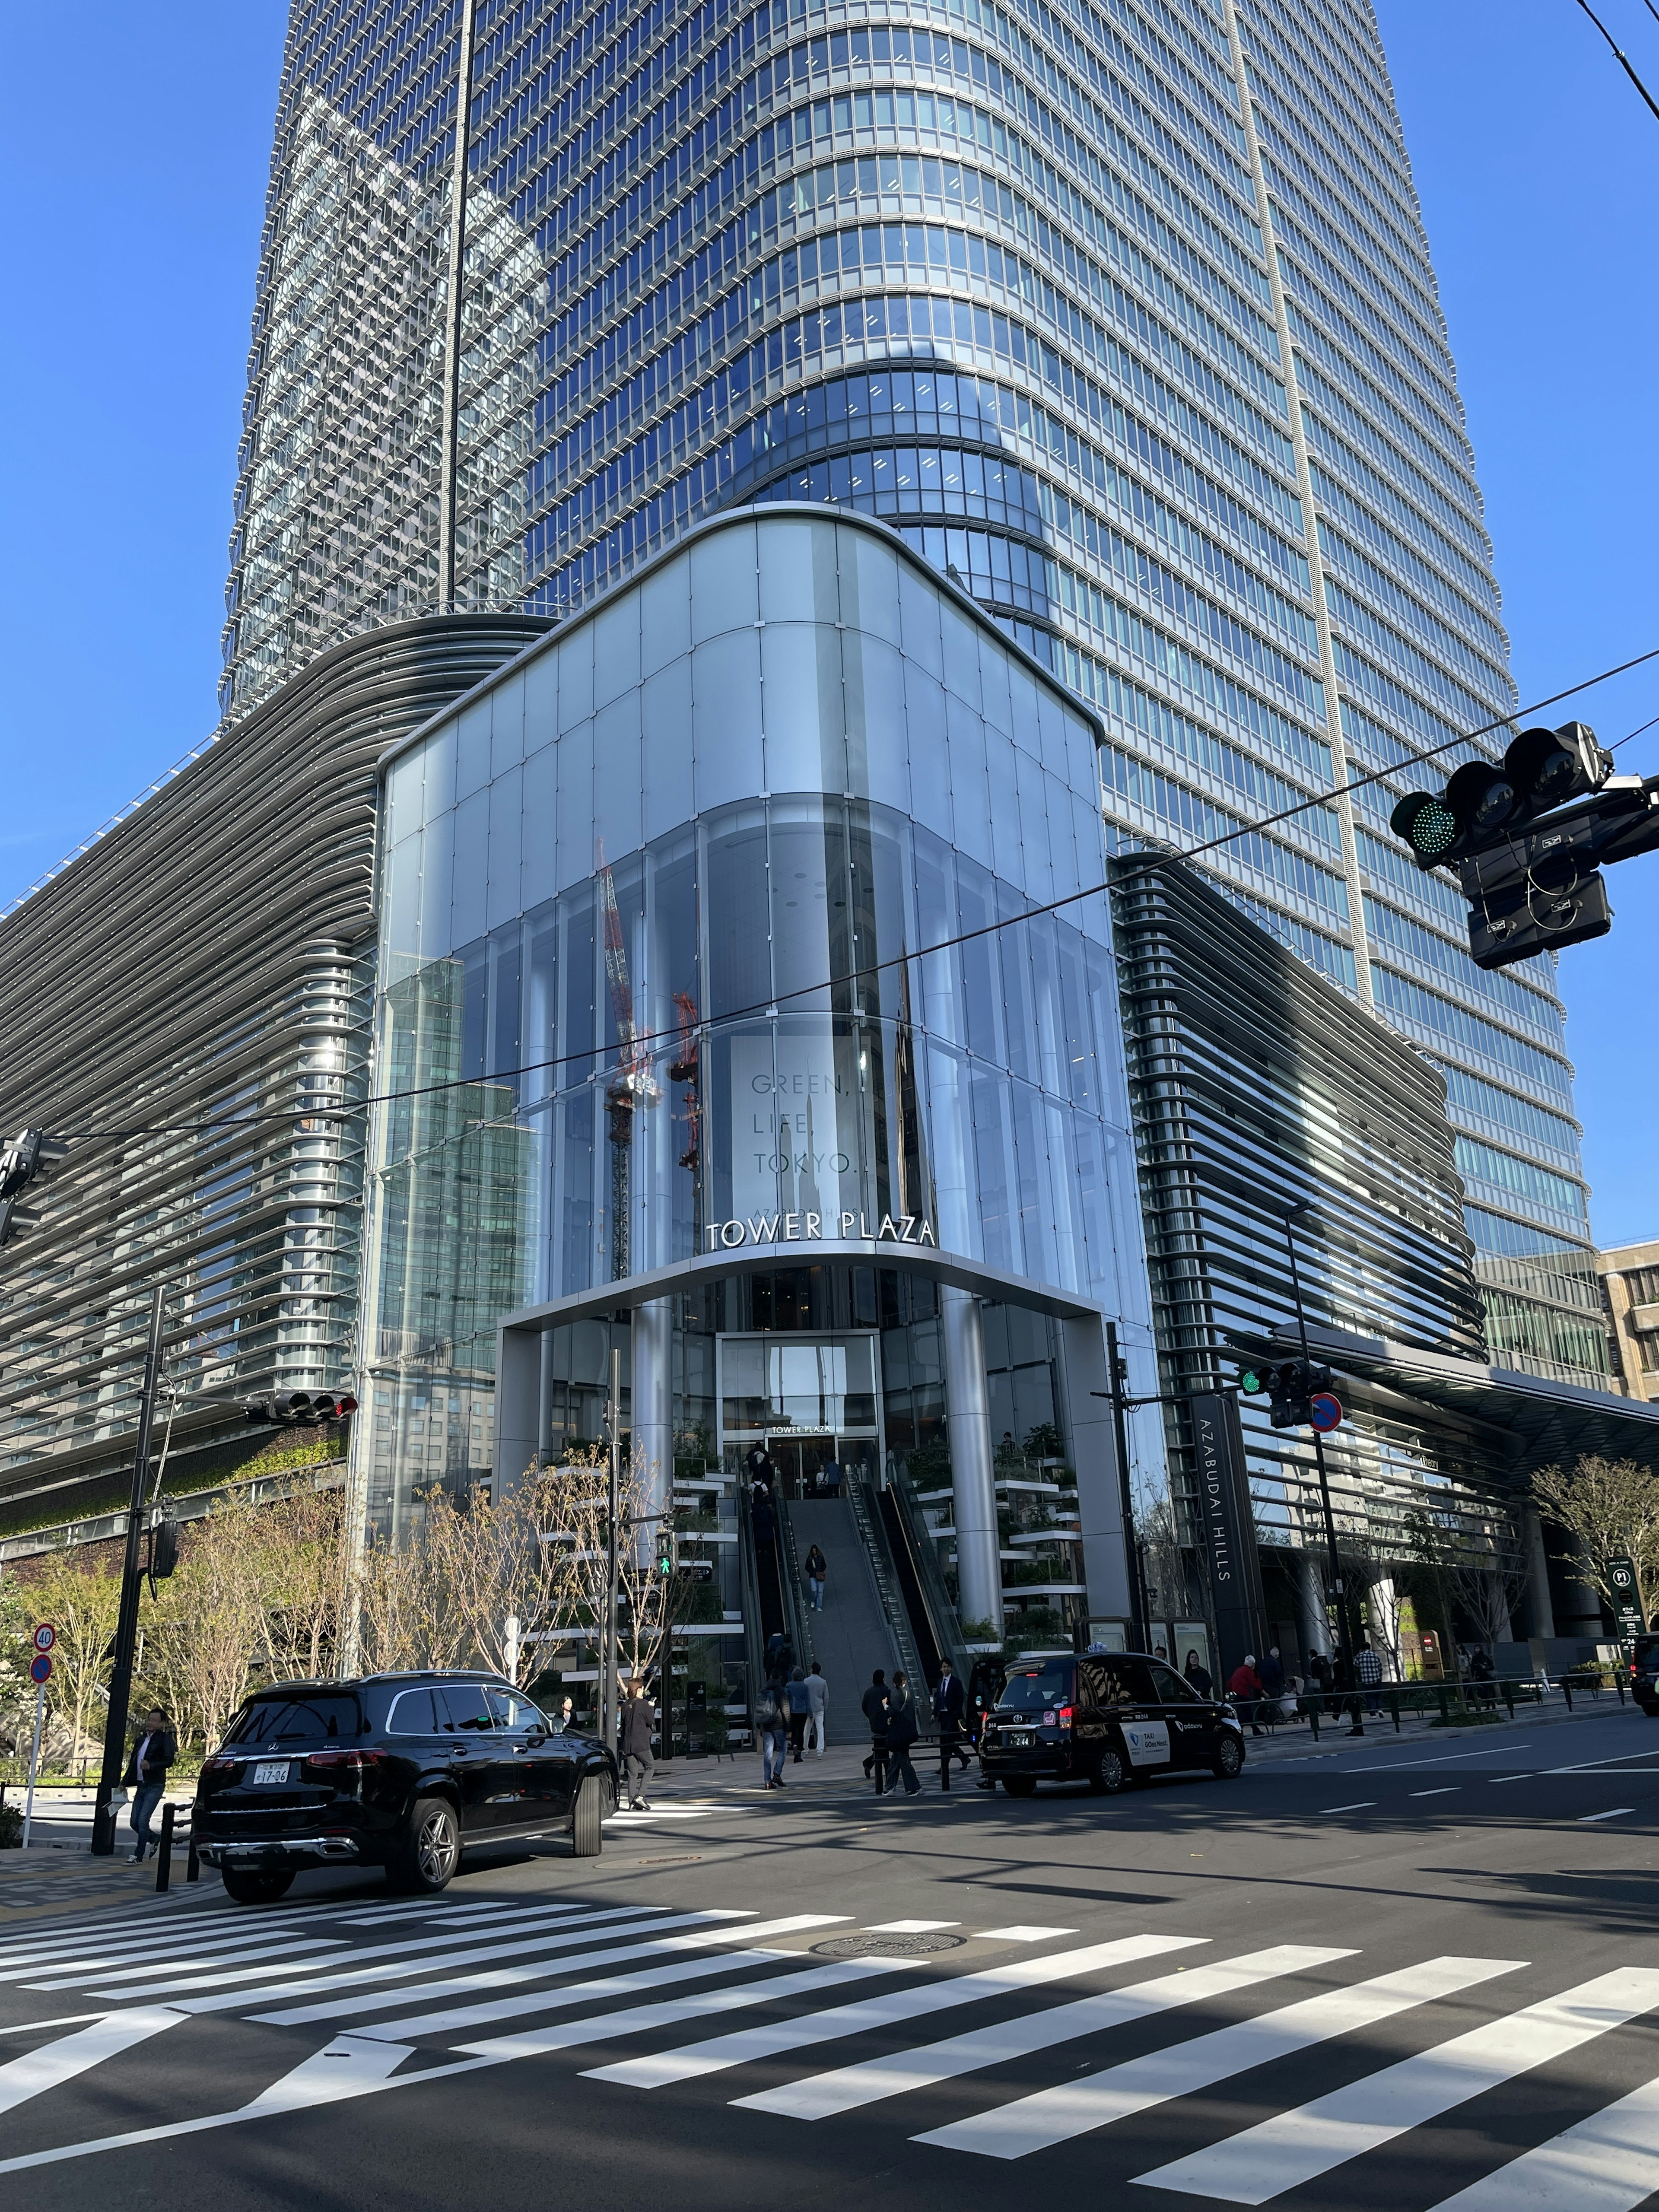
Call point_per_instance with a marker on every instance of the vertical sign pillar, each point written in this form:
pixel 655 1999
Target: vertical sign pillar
pixel 1226 1532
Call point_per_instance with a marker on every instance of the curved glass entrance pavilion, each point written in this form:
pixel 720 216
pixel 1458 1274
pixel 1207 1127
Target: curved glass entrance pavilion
pixel 703 1034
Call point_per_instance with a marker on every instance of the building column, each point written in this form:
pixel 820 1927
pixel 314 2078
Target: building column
pixel 652 1410
pixel 1310 1588
pixel 1540 1612
pixel 518 1406
pixel 972 1480
pixel 1092 1439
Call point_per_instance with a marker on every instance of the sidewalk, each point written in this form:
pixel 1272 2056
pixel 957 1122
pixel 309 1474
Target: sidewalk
pixel 58 1874
pixel 1293 1741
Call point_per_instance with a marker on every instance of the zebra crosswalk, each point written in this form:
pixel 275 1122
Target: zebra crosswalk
pixel 1054 2042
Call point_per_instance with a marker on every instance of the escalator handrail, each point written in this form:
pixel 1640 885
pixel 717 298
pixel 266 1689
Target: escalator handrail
pixel 873 1529
pixel 943 1619
pixel 753 1626
pixel 794 1612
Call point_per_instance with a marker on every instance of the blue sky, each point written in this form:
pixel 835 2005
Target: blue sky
pixel 128 250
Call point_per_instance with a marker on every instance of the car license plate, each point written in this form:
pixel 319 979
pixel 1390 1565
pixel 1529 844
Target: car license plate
pixel 268 1770
pixel 1020 1743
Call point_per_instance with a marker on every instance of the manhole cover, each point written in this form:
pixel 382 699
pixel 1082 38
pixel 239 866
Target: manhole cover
pixel 886 1947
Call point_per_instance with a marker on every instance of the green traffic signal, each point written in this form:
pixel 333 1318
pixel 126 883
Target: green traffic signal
pixel 1250 1382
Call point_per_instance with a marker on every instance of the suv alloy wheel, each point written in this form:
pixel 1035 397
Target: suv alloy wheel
pixel 432 1852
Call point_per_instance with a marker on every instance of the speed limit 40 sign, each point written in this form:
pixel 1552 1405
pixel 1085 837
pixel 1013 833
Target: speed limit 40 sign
pixel 45 1636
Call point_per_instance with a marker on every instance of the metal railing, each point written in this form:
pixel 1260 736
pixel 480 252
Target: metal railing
pixel 795 1613
pixel 889 1593
pixel 1435 1705
pixel 942 1619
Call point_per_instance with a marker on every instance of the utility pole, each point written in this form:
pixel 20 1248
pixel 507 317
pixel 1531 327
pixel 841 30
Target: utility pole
pixel 1137 1629
pixel 613 1419
pixel 1339 1590
pixel 126 1631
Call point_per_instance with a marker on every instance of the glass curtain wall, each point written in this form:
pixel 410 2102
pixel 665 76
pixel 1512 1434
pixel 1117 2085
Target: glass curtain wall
pixel 674 1016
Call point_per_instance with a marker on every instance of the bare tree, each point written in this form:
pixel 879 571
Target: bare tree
pixel 1489 1586
pixel 1610 1507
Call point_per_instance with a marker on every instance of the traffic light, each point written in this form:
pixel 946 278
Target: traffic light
pixel 30 1157
pixel 1529 839
pixel 1484 804
pixel 163 1549
pixel 664 1554
pixel 1290 1386
pixel 299 1408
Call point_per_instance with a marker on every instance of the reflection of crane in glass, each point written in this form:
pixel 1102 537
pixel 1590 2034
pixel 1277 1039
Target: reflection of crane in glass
pixel 684 1069
pixel 632 1084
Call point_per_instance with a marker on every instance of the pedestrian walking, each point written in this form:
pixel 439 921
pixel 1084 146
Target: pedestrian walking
pixel 875 1703
pixel 950 1711
pixel 1272 1671
pixel 1368 1673
pixel 772 1725
pixel 639 1718
pixel 1245 1688
pixel 1484 1675
pixel 798 1699
pixel 1198 1675
pixel 1343 1686
pixel 780 1655
pixel 817 1704
pixel 156 1749
pixel 903 1729
pixel 817 1572
pixel 831 1477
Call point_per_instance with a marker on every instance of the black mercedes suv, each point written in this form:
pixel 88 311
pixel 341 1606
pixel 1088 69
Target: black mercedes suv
pixel 404 1772
pixel 1107 1718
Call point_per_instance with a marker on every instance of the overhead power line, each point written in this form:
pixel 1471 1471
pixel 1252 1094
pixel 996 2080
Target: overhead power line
pixel 1149 864
pixel 1621 56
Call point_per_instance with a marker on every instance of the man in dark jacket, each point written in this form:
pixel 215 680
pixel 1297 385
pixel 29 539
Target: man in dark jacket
pixel 147 1777
pixel 903 1729
pixel 639 1717
pixel 875 1704
pixel 950 1711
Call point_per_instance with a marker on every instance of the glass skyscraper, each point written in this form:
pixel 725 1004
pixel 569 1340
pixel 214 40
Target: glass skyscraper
pixel 1121 311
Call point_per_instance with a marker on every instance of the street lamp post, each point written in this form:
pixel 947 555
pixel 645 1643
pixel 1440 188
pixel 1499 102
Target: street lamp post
pixel 1338 1589
pixel 126 1628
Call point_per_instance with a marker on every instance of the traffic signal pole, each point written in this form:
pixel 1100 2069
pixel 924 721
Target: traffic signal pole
pixel 126 1629
pixel 609 1698
pixel 1338 1587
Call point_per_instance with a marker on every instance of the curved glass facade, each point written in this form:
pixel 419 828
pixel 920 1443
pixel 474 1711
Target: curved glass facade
pixel 690 945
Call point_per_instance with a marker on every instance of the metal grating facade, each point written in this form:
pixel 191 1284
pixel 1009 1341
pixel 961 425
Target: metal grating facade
pixel 191 985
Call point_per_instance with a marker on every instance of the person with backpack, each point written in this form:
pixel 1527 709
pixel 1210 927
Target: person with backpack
pixel 903 1729
pixel 875 1703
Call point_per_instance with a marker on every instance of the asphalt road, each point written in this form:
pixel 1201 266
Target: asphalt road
pixel 1395 1975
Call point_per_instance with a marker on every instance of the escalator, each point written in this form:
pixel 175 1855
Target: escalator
pixel 935 1622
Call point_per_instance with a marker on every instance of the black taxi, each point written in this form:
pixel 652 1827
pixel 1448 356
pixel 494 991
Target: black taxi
pixel 1104 1718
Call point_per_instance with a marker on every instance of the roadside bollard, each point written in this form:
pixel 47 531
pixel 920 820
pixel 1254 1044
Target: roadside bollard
pixel 193 1864
pixel 1619 1685
pixel 164 1856
pixel 1566 1692
pixel 1393 1707
pixel 1508 1697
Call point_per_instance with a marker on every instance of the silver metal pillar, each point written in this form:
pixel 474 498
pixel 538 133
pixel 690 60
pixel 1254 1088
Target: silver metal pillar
pixel 1541 1610
pixel 1316 1619
pixel 973 1481
pixel 652 1412
pixel 1087 1380
pixel 517 1406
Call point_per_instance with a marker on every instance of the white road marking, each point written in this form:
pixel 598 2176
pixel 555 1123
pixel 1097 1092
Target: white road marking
pixel 1360 1805
pixel 820 2095
pixel 908 1927
pixel 65 2020
pixel 700 1968
pixel 74 1973
pixel 1614 1812
pixel 1022 1934
pixel 1608 2163
pixel 1446 1789
pixel 346 2068
pixel 39 2070
pixel 1074 2108
pixel 1298 2147
pixel 413 1957
pixel 1442 1759
pixel 718 2052
pixel 479 2015
pixel 605 2026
